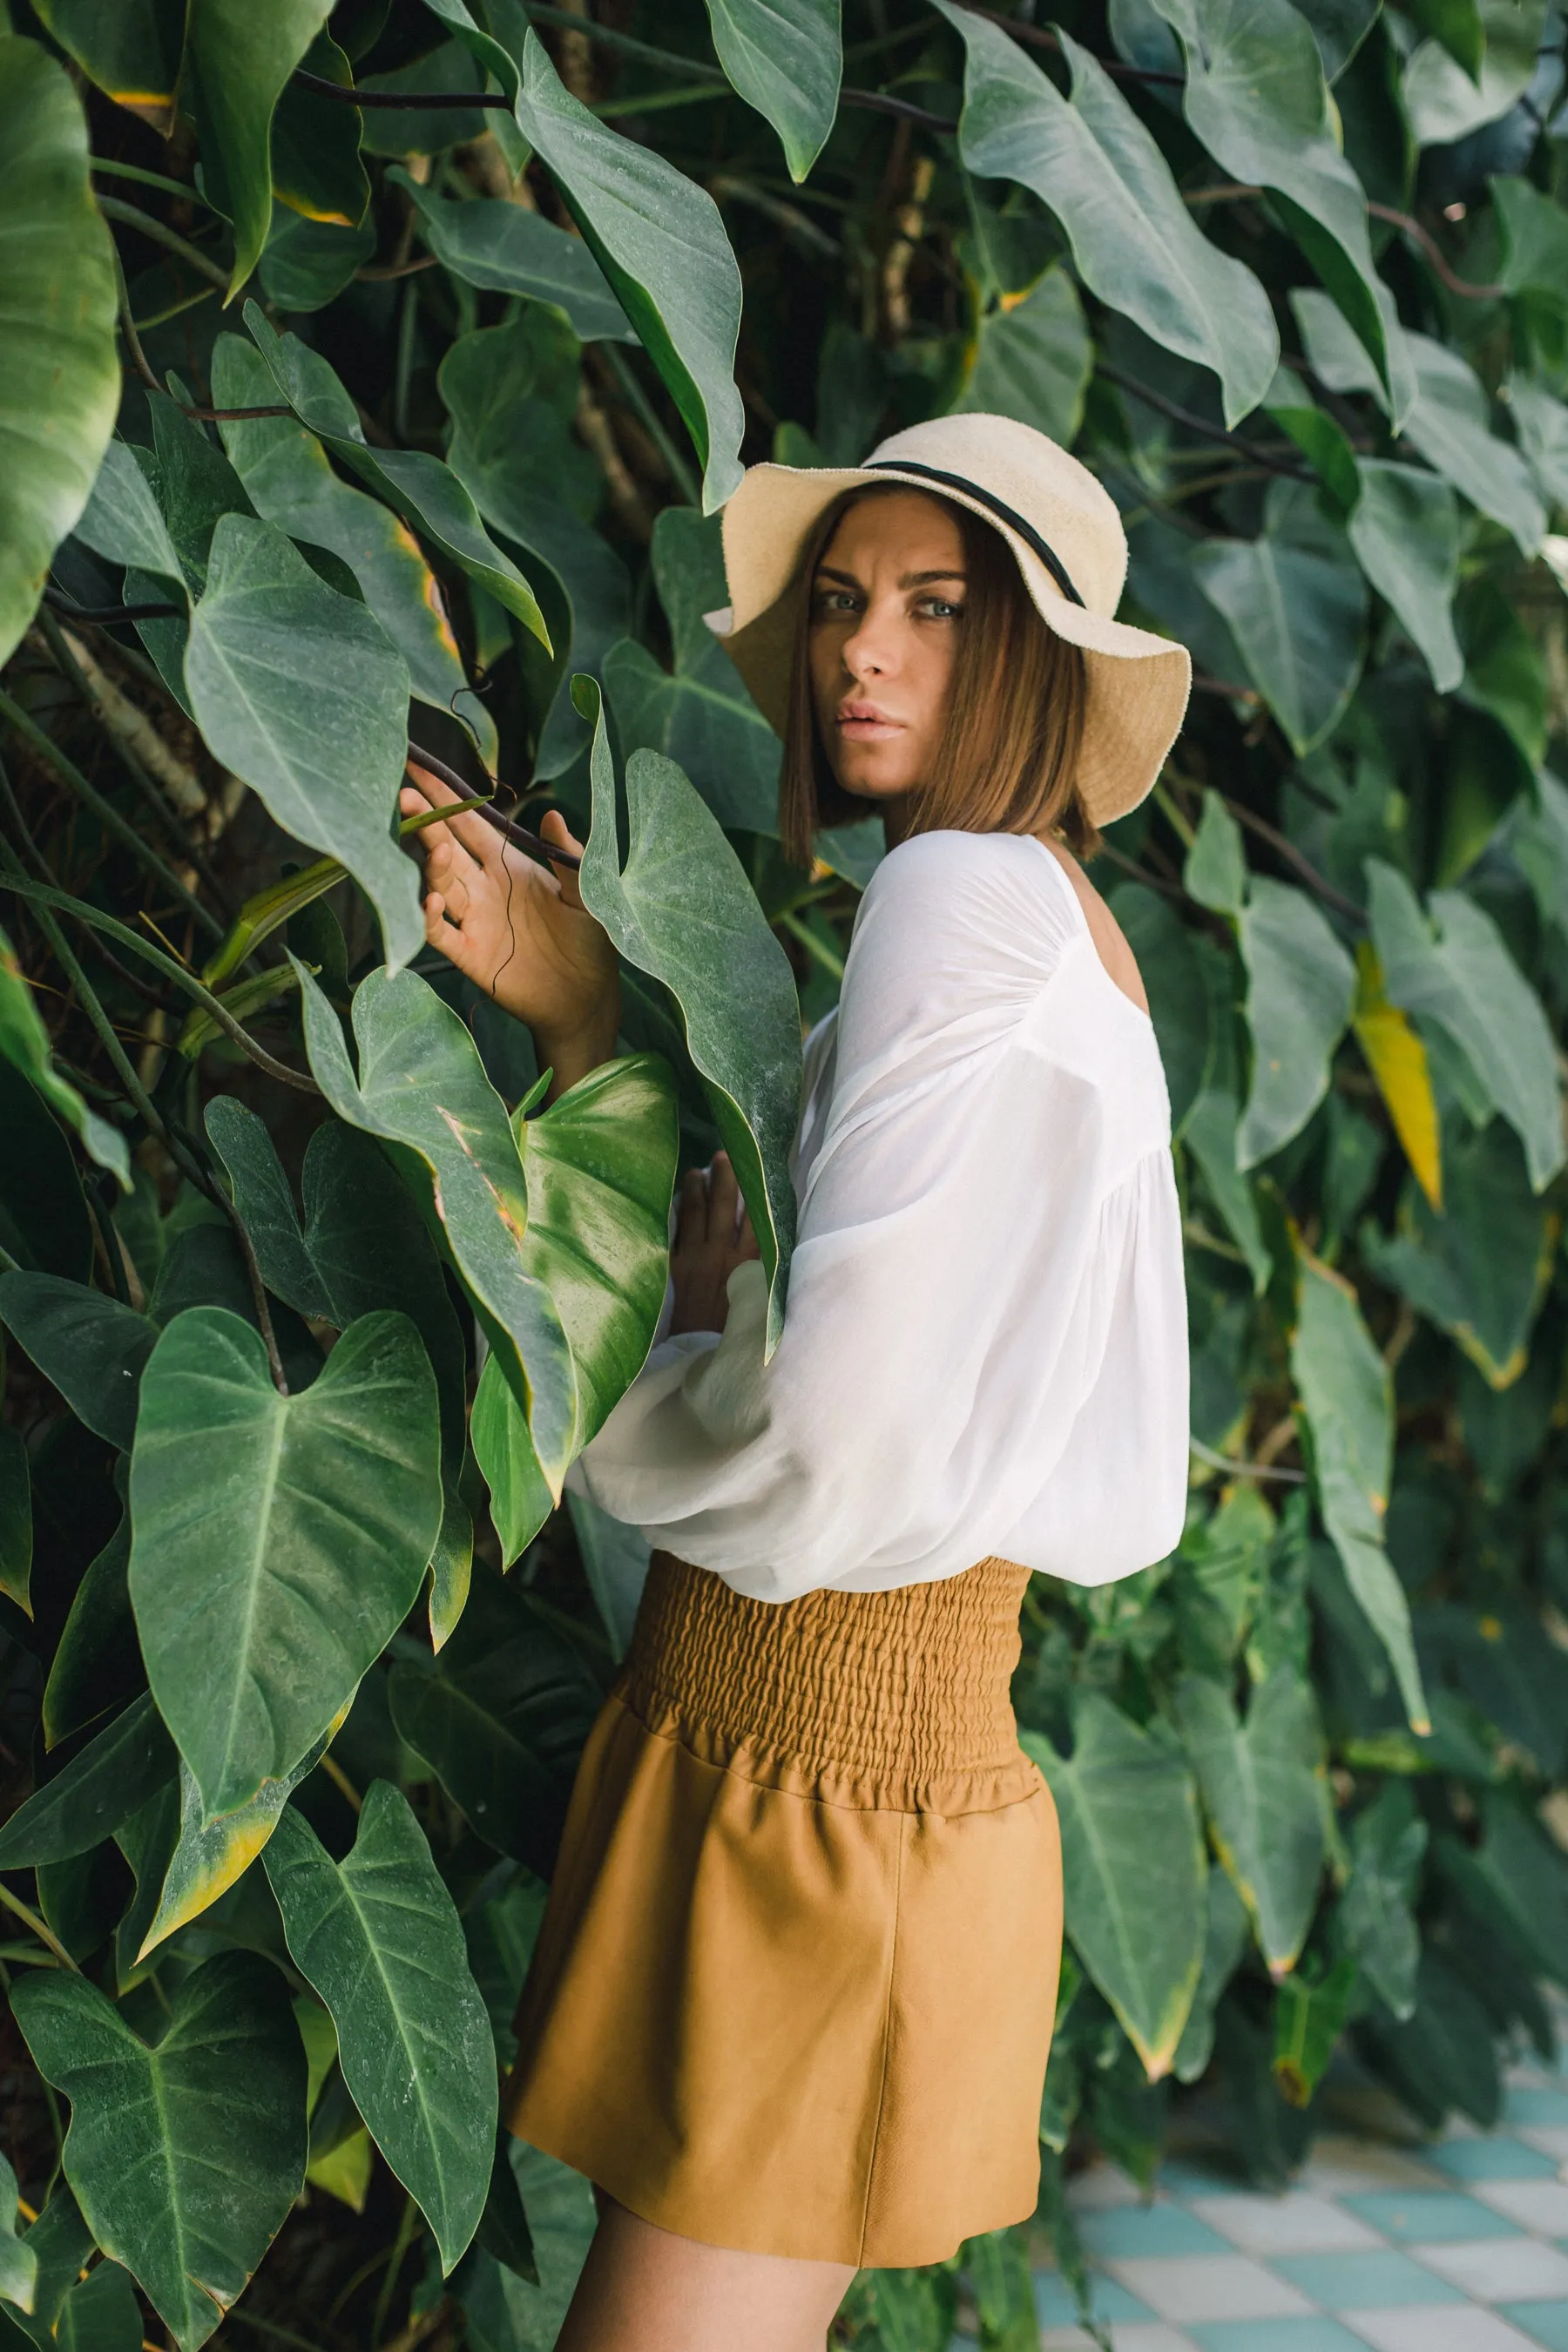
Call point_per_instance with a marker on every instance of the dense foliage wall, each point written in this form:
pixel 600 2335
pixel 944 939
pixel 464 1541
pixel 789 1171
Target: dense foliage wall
pixel 374 375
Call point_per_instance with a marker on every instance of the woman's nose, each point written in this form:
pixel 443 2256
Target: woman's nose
pixel 869 650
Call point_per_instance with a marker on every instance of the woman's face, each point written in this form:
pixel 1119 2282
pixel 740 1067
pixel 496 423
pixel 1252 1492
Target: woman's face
pixel 886 602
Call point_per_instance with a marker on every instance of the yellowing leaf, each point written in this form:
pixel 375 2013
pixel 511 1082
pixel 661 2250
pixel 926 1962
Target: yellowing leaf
pixel 1397 1060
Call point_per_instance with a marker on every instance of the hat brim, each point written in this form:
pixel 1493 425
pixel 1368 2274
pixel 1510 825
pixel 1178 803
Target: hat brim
pixel 1138 683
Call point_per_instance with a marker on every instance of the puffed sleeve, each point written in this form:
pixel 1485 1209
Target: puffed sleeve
pixel 985 1348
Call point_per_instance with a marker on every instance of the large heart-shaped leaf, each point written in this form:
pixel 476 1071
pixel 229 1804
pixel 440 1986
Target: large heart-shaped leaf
pixel 1444 100
pixel 502 1720
pixel 1347 1395
pixel 291 483
pixel 363 1245
pixel 1256 97
pixel 657 236
pixel 1133 1869
pixel 1387 1842
pixel 1450 424
pixel 701 716
pixel 90 1347
pixel 683 911
pixel 1405 529
pixel 316 166
pixel 1033 360
pixel 1300 985
pixel 61 383
pixel 1455 968
pixel 302 693
pixel 97 1793
pixel 1264 1796
pixel 279 1541
pixel 425 492
pixel 1092 160
pixel 378 1938
pixel 186 2155
pixel 124 522
pixel 510 250
pixel 209 1856
pixel 787 59
pixel 1300 618
pixel 421 1084
pixel 238 59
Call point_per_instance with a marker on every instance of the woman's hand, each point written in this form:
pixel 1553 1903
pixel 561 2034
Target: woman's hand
pixel 521 932
pixel 712 1237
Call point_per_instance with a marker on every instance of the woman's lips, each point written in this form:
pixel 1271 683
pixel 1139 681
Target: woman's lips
pixel 862 722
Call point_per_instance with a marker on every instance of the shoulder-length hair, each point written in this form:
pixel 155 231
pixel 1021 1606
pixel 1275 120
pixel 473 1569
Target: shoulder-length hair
pixel 1007 762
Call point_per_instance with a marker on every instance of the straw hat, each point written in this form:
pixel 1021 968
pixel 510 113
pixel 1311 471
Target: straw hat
pixel 1066 535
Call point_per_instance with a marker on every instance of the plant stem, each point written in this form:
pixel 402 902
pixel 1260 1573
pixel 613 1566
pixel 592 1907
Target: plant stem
pixel 401 2244
pixel 1200 424
pixel 147 225
pixel 151 180
pixel 107 815
pixel 681 474
pixel 14 1904
pixel 41 894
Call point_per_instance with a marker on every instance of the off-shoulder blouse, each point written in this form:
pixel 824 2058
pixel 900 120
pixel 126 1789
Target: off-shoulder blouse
pixel 984 1350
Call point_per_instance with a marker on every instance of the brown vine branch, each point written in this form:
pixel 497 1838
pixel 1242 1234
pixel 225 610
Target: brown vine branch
pixel 1200 424
pixel 1235 192
pixel 530 843
pixel 1286 849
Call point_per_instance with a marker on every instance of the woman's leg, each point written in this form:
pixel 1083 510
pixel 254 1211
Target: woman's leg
pixel 645 2290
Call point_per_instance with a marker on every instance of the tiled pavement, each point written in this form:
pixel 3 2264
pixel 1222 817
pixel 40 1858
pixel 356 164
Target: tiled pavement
pixel 1457 2246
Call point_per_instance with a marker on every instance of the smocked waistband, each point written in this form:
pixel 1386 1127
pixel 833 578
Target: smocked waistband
pixel 903 1689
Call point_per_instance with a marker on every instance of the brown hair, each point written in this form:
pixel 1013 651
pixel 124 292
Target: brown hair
pixel 1009 758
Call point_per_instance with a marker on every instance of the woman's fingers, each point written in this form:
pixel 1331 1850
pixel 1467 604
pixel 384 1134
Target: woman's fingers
pixel 553 828
pixel 480 840
pixel 723 1200
pixel 691 1223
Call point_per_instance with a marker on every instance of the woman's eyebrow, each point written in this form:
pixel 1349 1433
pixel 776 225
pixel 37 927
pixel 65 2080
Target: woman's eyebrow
pixel 826 571
pixel 922 578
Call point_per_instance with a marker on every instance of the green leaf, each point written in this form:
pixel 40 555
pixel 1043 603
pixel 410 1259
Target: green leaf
pixel 124 522
pixel 1299 619
pixel 279 1541
pixel 184 2156
pixel 1214 869
pixel 700 716
pixel 211 1854
pixel 503 2231
pixel 378 1938
pixel 1308 2019
pixel 44 1220
pixel 1405 529
pixel 1301 983
pixel 1177 997
pixel 1092 161
pixel 681 910
pixel 238 59
pixel 507 250
pixel 512 449
pixel 1444 102
pixel 1033 360
pixel 1263 1792
pixel 130 51
pixel 426 493
pixel 25 1044
pixel 1256 97
pixel 1542 424
pixel 615 1561
pixel 502 1720
pixel 1226 1939
pixel 100 2314
pixel 1387 1842
pixel 600 1168
pixel 520 1499
pixel 316 167
pixel 1347 1396
pixel 1211 1136
pixel 1457 26
pixel 291 483
pixel 785 57
pixel 659 240
pixel 1453 968
pixel 1450 424
pixel 97 1663
pixel 16 1523
pixel 299 691
pixel 1321 439
pixel 18 2261
pixel 501 2312
pixel 421 1084
pixel 1132 1865
pixel 1480 1269
pixel 364 1247
pixel 58 299
pixel 306 264
pixel 90 1347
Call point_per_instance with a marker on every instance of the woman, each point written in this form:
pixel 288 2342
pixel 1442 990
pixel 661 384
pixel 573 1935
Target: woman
pixel 791 2003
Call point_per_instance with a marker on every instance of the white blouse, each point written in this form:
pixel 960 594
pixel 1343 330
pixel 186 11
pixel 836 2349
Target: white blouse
pixel 985 1345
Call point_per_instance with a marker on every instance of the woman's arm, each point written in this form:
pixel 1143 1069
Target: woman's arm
pixel 519 932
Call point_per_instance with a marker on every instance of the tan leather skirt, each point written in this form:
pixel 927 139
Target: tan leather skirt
pixel 795 1987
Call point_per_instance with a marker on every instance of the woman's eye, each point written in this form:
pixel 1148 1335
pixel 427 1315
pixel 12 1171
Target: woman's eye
pixel 835 601
pixel 940 608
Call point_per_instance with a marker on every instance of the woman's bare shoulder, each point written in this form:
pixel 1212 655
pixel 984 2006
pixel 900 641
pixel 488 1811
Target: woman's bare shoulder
pixel 1106 932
